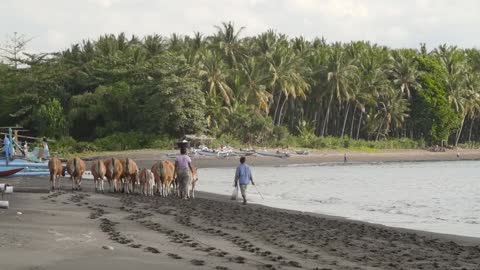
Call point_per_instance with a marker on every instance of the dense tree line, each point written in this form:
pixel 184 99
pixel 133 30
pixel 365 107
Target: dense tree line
pixel 253 88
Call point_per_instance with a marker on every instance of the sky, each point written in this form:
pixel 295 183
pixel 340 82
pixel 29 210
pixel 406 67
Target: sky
pixel 56 24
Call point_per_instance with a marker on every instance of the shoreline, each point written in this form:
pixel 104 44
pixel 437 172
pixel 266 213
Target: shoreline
pixel 464 240
pixel 145 158
pixel 63 229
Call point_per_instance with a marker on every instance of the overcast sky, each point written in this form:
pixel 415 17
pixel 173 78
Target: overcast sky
pixel 56 24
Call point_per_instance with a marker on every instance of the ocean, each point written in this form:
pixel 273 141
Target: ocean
pixel 441 197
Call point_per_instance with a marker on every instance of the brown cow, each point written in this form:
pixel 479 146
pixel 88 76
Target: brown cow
pixel 76 168
pixel 114 173
pixel 147 181
pixel 98 171
pixel 163 172
pixel 130 175
pixel 56 170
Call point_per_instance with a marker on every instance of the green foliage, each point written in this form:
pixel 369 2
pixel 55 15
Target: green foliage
pixel 255 90
pixel 361 145
pixel 432 115
pixel 49 119
pixel 162 142
pixel 177 107
pixel 68 145
pixel 306 132
pixel 124 141
pixel 249 126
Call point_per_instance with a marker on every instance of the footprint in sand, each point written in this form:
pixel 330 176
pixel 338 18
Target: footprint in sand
pixel 174 256
pixel 152 250
pixel 197 262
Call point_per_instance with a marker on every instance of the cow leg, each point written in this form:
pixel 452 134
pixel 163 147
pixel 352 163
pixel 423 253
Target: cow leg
pixel 193 190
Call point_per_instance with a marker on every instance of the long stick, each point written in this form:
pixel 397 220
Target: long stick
pixel 259 192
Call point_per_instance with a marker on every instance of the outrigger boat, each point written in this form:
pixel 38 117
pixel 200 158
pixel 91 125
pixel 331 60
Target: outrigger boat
pixel 272 154
pixel 30 164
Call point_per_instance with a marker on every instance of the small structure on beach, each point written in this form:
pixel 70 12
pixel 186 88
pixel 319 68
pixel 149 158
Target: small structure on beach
pixel 195 140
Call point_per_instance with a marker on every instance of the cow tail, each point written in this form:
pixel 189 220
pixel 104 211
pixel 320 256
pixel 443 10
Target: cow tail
pixel 161 170
pixel 113 168
pixel 126 165
pixel 99 165
pixel 74 172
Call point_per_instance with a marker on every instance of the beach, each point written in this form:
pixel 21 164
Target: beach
pixel 65 230
pixel 146 157
pixel 78 230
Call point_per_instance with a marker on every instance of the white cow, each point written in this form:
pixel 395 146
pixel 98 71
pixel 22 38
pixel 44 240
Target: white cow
pixel 147 182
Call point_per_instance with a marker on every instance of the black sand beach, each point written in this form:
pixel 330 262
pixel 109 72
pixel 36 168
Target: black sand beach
pixel 145 158
pixel 65 230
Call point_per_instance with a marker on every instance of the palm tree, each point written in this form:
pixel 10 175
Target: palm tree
pixel 403 71
pixel 154 44
pixel 341 76
pixel 227 39
pixel 255 84
pixel 285 77
pixel 193 47
pixel 214 73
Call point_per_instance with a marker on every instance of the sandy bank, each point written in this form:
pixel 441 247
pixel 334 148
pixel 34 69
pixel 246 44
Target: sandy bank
pixel 67 230
pixel 146 157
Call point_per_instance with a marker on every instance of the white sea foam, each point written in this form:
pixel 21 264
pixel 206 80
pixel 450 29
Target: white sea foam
pixel 441 197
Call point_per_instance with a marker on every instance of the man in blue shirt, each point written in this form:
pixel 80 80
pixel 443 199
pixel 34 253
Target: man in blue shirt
pixel 243 176
pixel 6 146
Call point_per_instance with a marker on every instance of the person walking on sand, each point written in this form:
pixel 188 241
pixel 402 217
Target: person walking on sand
pixel 243 176
pixel 184 172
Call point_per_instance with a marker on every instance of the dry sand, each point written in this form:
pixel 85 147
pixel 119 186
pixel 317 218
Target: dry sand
pixel 65 230
pixel 145 157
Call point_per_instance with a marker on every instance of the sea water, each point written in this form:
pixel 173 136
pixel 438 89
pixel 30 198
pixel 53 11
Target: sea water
pixel 442 197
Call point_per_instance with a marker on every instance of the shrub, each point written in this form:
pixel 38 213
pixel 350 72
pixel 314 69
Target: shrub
pixel 124 141
pixel 162 142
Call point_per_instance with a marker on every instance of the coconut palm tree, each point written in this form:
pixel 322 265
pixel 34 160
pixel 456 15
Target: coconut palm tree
pixel 285 78
pixel 255 84
pixel 213 71
pixel 227 40
pixel 154 44
pixel 403 71
pixel 342 73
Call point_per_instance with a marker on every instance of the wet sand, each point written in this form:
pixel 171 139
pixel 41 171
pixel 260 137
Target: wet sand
pixel 65 230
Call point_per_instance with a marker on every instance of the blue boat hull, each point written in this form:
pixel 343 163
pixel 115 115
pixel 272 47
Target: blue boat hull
pixel 27 168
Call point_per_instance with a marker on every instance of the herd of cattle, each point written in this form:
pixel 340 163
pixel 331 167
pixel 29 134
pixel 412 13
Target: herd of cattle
pixel 125 176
